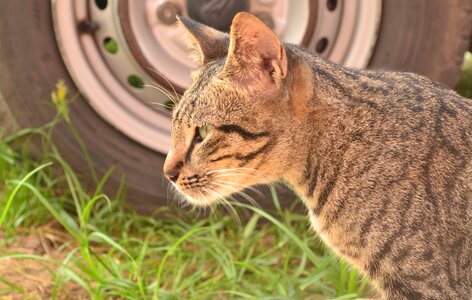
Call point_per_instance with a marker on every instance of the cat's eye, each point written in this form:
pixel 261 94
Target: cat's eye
pixel 202 132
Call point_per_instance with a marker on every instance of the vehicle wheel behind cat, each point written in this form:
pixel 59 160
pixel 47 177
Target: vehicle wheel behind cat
pixel 95 48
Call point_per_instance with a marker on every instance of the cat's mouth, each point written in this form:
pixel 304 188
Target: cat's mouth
pixel 208 189
pixel 198 197
pixel 203 195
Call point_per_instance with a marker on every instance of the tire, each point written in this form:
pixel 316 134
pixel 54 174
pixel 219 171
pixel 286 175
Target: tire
pixel 423 36
pixel 30 65
pixel 427 37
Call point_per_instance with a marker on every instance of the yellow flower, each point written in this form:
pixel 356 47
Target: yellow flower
pixel 59 98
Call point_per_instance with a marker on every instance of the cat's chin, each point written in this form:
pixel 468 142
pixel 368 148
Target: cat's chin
pixel 201 201
pixel 205 199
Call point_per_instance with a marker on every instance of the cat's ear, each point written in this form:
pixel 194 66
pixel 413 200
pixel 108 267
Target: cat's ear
pixel 256 54
pixel 205 42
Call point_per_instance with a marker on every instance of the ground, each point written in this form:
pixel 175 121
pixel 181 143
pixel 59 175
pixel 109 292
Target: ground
pixel 33 277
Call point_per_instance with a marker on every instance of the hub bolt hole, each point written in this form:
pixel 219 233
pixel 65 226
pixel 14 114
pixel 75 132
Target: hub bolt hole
pixel 110 45
pixel 332 4
pixel 321 45
pixel 136 81
pixel 102 4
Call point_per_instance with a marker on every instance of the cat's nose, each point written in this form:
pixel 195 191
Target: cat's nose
pixel 172 175
pixel 172 170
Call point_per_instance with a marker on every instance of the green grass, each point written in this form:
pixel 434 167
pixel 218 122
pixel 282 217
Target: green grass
pixel 464 86
pixel 108 251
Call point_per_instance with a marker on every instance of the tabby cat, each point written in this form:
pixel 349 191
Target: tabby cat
pixel 382 160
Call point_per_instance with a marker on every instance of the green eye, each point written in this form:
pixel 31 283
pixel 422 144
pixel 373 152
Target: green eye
pixel 202 132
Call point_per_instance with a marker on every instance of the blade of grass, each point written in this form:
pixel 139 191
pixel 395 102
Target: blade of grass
pixel 58 215
pixel 84 218
pixel 302 245
pixel 169 253
pixel 17 188
pixel 11 285
pixel 103 181
pixel 112 243
pixel 73 182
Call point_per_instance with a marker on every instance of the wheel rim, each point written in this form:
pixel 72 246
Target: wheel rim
pixel 127 77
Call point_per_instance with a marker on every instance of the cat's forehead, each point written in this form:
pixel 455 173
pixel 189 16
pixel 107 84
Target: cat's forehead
pixel 209 99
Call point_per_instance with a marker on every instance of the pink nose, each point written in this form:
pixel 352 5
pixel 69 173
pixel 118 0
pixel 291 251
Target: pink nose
pixel 172 170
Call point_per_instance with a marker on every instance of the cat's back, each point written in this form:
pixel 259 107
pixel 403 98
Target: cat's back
pixel 396 120
pixel 417 111
pixel 403 178
pixel 425 126
pixel 398 104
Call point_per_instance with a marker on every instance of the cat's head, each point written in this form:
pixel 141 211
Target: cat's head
pixel 232 127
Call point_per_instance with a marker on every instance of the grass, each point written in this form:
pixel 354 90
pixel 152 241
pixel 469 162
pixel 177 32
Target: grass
pixel 464 86
pixel 71 241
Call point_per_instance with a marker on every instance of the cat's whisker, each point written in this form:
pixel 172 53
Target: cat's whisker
pixel 170 189
pixel 242 174
pixel 242 170
pixel 238 191
pixel 164 90
pixel 228 174
pixel 174 98
pixel 166 93
pixel 232 173
pixel 157 87
pixel 212 209
pixel 231 210
pixel 182 200
pixel 232 169
pixel 158 104
pixel 201 195
pixel 165 78
pixel 205 199
pixel 242 186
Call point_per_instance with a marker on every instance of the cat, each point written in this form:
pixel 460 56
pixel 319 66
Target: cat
pixel 382 160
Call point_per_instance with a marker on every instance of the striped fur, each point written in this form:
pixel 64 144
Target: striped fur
pixel 383 160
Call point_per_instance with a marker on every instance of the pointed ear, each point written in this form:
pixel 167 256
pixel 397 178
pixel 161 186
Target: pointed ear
pixel 255 52
pixel 205 42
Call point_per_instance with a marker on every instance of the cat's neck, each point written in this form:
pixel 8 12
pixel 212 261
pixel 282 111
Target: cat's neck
pixel 323 130
pixel 330 83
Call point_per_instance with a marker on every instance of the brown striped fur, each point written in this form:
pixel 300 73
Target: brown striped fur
pixel 381 159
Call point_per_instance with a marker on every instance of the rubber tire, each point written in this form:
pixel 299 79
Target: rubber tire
pixel 427 37
pixel 423 36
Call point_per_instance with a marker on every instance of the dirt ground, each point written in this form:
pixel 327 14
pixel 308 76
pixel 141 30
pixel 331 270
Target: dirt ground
pixel 34 276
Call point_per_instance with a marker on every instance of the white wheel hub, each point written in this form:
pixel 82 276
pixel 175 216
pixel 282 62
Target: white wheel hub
pixel 118 50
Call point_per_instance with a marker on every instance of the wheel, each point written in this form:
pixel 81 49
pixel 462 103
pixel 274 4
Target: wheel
pixel 112 50
pixel 425 37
